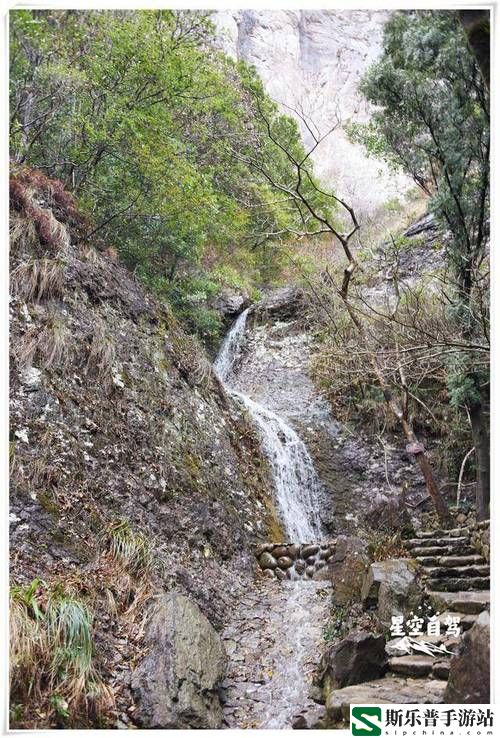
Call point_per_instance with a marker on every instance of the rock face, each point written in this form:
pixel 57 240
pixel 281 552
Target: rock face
pixel 389 514
pixel 314 59
pixel 346 569
pixel 359 657
pixel 230 303
pixel 392 587
pixel 469 680
pixel 125 421
pixel 176 683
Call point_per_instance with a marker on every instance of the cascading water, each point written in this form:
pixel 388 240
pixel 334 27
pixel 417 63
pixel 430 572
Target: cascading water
pixel 275 630
pixel 296 483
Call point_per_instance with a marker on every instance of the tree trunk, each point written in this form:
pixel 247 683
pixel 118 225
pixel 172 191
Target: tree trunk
pixel 399 412
pixel 430 483
pixel 482 446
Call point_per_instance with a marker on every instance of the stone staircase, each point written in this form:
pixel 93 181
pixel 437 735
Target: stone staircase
pixel 457 578
pixel 457 583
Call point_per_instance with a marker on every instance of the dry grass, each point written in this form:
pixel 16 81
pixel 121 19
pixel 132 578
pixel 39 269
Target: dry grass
pixel 22 233
pixel 131 550
pixel 37 280
pixel 101 355
pixel 51 653
pixel 383 546
pixel 51 345
pixel 190 357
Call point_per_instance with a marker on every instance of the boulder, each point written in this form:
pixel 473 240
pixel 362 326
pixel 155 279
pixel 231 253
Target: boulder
pixel 389 515
pixel 346 568
pixel 392 587
pixel 357 658
pixel 267 561
pixel 469 679
pixel 312 718
pixel 282 303
pixel 310 549
pixel 175 685
pixel 280 551
pixel 230 303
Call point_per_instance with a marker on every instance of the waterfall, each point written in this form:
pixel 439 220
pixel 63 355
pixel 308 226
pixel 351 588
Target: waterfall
pixel 297 486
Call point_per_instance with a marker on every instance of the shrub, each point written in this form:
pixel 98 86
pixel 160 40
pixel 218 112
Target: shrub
pixel 385 546
pixel 51 652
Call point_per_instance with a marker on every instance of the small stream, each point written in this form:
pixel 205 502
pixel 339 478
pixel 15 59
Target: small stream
pixel 273 639
pixel 296 482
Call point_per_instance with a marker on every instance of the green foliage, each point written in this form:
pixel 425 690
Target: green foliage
pixel 432 119
pixel 336 625
pixel 132 550
pixel 464 380
pixel 51 647
pixel 153 128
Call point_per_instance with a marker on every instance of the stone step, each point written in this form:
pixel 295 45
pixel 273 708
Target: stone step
pixel 457 571
pixel 466 621
pixel 456 541
pixel 442 533
pixel 413 666
pixel 442 551
pixel 390 689
pixel 451 560
pixel 450 642
pixel 470 603
pixel 458 584
pixel 441 669
pixel 418 666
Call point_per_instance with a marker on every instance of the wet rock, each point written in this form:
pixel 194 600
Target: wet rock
pixel 311 719
pixel 175 685
pixel 310 571
pixel 311 560
pixel 300 566
pixel 280 551
pixel 282 303
pixel 469 679
pixel 267 561
pixel 346 567
pixel 359 657
pixel 263 547
pixel 309 550
pixel 285 562
pixel 231 303
pixel 293 550
pixel 392 587
pixel 280 574
pixel 269 573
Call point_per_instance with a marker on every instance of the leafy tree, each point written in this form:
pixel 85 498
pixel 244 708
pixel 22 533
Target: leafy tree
pixel 432 119
pixel 139 114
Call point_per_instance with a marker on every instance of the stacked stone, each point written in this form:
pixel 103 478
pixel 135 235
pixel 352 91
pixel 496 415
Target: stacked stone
pixel 480 538
pixel 294 560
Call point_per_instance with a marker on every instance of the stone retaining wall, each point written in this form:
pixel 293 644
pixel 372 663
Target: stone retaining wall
pixel 295 560
pixel 480 538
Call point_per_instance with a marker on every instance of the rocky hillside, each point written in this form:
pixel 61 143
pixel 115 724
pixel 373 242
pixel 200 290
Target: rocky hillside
pixel 312 60
pixel 127 457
